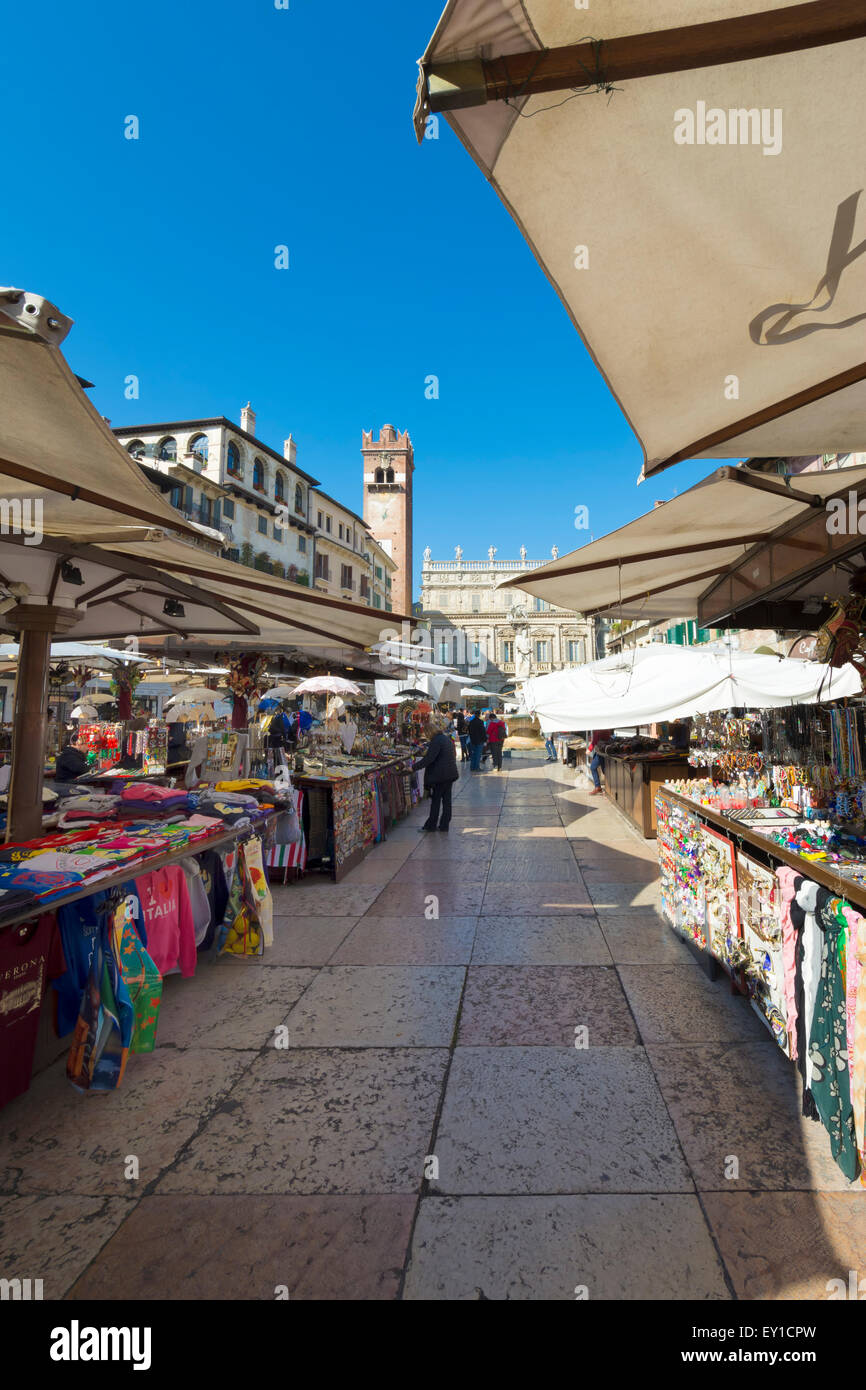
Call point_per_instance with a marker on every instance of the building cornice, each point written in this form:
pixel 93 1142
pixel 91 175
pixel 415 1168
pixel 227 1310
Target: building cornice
pixel 221 422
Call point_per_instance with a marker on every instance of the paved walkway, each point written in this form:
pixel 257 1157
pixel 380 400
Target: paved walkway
pixel 447 1045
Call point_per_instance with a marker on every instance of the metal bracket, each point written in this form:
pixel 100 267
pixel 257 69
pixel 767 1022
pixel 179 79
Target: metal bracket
pixel 34 313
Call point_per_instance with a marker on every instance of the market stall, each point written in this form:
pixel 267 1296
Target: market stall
pixel 763 873
pixel 656 684
pixel 125 889
pixel 357 781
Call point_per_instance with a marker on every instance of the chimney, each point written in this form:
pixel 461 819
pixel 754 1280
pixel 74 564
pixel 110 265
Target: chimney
pixel 290 450
pixel 248 419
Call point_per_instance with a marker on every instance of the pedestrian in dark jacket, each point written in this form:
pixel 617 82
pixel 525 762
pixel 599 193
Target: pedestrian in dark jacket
pixel 463 735
pixel 477 740
pixel 71 763
pixel 440 772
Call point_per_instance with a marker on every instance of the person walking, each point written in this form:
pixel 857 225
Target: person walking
pixel 440 773
pixel 477 739
pixel 463 735
pixel 496 734
pixel 550 746
pixel 598 739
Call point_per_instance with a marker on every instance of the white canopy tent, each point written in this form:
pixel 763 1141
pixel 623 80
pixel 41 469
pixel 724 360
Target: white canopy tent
pixel 659 682
pixel 689 176
pixel 437 688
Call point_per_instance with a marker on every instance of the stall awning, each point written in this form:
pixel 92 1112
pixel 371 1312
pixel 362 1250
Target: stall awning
pixel 662 682
pixel 55 448
pixel 108 596
pixel 690 180
pixel 284 613
pixel 659 565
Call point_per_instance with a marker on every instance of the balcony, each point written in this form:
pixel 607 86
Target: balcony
pixel 203 517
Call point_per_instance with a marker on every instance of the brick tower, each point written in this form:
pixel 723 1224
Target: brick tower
pixel 388 468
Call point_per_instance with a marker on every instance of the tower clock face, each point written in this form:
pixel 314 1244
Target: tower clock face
pixel 381 510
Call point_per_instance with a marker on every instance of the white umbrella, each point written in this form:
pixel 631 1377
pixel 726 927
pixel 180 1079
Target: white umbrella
pixel 195 695
pixel 326 685
pixel 84 712
pixel 99 699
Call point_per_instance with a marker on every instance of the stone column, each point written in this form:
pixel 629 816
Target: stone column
pixel 36 624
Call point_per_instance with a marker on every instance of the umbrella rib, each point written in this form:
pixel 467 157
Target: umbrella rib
pixel 454 85
pixel 720 543
pixel 51 483
pixel 649 593
pixel 808 396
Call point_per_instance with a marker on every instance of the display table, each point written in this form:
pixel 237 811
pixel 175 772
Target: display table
pixel 743 836
pixel 788 931
pixel 345 816
pixel 632 783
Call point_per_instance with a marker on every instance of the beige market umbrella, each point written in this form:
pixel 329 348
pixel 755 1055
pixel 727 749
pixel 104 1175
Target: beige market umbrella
pixel 690 178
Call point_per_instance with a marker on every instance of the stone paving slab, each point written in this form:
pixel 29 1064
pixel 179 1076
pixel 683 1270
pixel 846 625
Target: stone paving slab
pixel 525 940
pixel 790 1245
pixel 408 941
pixel 326 899
pixel 442 870
pixel 523 868
pixel 742 1101
pixel 639 939
pixel 236 1007
pixel 544 1005
pixel 378 1006
pixel 247 1247
pixel 305 940
pixel 671 1006
pixel 529 834
pixel 625 896
pixel 320 1120
pixel 55 1140
pixel 54 1238
pixel 547 899
pixel 455 897
pixel 545 1249
pixel 555 1120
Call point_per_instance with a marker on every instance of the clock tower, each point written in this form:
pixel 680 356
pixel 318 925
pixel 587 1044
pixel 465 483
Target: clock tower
pixel 388 468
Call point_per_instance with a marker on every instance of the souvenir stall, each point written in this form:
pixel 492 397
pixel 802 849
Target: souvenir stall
pixel 763 872
pixel 356 781
pixel 105 893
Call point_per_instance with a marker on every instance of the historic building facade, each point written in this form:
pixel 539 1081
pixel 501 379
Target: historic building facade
pixel 272 515
pixel 494 635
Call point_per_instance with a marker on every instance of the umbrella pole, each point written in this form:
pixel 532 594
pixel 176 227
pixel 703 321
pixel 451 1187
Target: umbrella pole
pixel 36 625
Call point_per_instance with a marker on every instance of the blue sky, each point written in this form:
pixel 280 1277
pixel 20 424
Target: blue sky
pixel 261 127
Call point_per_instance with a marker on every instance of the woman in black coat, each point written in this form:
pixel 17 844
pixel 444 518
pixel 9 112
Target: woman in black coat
pixel 440 772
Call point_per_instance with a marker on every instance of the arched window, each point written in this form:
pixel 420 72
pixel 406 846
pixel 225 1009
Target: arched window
pixel 280 487
pixel 136 449
pixel 380 475
pixel 233 460
pixel 167 450
pixel 259 476
pixel 389 475
pixel 198 445
pixel 299 500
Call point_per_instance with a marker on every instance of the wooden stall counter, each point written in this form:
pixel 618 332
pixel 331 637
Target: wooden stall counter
pixel 632 782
